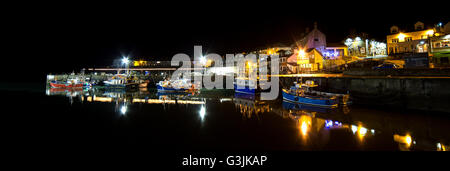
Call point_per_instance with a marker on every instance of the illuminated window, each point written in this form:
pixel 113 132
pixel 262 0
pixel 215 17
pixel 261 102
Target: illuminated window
pixel 408 39
pixel 394 40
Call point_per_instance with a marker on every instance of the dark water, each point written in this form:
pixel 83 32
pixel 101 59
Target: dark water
pixel 211 120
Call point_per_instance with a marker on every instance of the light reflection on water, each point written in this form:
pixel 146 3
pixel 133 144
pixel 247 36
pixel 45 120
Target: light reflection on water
pixel 315 126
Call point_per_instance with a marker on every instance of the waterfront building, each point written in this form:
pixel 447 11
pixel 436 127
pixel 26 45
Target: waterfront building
pixel 336 54
pixel 417 41
pixel 307 60
pixel 440 51
pixel 335 51
pixel 279 49
pixel 362 46
pixel 433 42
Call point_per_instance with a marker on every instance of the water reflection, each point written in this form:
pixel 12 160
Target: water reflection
pixel 249 106
pixel 315 124
pixel 312 127
pixel 202 113
pixel 404 142
pixel 122 98
pixel 441 147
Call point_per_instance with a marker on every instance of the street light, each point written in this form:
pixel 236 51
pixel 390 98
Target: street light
pixel 125 61
pixel 203 60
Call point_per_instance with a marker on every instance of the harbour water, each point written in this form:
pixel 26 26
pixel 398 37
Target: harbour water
pixel 216 120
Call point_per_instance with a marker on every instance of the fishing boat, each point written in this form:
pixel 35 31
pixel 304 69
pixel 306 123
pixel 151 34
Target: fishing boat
pixel 245 86
pixel 121 81
pixel 300 93
pixel 70 83
pixel 181 85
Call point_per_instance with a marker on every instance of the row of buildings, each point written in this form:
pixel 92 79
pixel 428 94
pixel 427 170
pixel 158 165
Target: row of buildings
pixel 426 47
pixel 421 47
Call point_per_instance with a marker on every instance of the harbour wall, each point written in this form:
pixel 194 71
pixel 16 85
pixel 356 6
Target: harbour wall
pixel 430 94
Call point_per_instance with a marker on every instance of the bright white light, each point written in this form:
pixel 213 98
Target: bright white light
pixel 123 110
pixel 225 100
pixel 348 42
pixel 328 123
pixel 354 128
pixel 357 39
pixel 125 60
pixel 362 131
pixel 202 112
pixel 408 139
pixel 372 131
pixel 202 60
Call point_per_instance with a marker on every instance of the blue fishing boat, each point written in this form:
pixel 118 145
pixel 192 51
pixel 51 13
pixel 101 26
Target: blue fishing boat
pixel 242 89
pixel 245 86
pixel 309 100
pixel 301 93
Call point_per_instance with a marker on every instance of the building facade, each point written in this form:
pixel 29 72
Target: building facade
pixel 416 41
pixel 309 60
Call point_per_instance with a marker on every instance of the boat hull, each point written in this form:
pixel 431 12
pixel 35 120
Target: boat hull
pixel 309 100
pixel 246 89
pixel 167 89
pixel 62 85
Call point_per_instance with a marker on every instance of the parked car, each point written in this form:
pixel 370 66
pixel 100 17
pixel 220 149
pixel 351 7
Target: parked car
pixel 386 66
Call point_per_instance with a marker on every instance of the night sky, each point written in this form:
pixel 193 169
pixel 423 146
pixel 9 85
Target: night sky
pixel 68 39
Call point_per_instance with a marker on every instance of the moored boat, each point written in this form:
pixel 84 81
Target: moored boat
pixel 301 93
pixel 309 100
pixel 175 86
pixel 69 84
pixel 122 82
